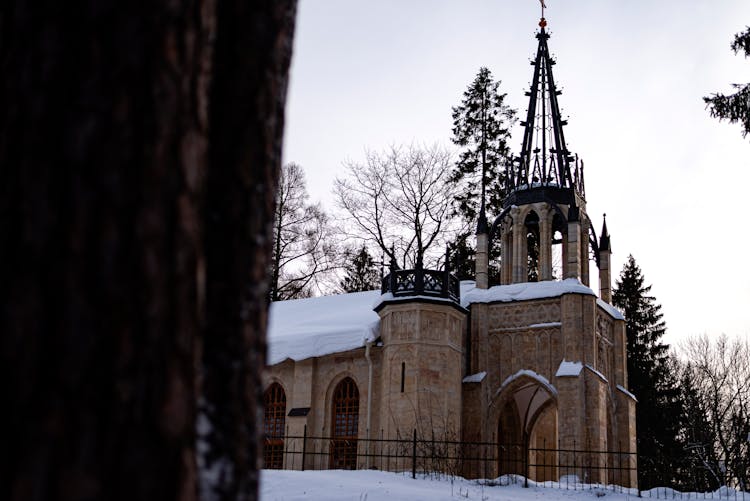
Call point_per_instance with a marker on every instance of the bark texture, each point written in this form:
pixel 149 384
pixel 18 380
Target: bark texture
pixel 139 150
pixel 245 158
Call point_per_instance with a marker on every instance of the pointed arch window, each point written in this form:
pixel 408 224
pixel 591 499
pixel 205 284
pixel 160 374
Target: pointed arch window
pixel 531 223
pixel 274 400
pixel 345 423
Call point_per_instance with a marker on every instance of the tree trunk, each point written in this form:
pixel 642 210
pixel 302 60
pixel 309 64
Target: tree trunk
pixel 253 50
pixel 135 210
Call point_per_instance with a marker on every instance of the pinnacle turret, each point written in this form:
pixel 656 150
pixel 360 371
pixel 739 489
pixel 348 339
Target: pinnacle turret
pixel 604 244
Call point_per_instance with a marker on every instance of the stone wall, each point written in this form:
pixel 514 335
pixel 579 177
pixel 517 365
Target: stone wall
pixel 310 383
pixel 423 344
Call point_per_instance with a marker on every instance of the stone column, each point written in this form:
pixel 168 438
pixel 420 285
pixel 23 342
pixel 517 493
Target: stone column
pixel 585 251
pixel 482 262
pixel 301 397
pixel 605 280
pixel 573 250
pixel 506 270
pixel 518 255
pixel 545 245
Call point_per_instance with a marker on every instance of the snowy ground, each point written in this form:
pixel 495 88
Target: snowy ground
pixel 369 485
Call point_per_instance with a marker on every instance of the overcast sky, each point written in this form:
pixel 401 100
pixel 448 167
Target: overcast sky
pixel 675 183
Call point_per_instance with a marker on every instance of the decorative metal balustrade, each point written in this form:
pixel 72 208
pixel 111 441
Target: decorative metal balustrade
pixel 421 282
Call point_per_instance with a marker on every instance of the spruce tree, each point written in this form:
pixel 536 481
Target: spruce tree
pixel 361 273
pixel 481 127
pixel 734 107
pixel 651 377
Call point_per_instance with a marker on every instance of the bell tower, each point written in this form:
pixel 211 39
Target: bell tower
pixel 551 354
pixel 544 229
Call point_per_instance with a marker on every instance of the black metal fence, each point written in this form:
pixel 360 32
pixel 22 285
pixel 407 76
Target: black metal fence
pixel 573 468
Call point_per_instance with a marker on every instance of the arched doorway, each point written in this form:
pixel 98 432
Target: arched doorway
pixel 274 401
pixel 344 425
pixel 527 429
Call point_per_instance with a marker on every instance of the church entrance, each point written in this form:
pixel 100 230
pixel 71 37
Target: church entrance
pixel 527 430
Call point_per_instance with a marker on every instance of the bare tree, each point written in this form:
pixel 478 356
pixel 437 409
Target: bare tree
pixel 399 200
pixel 303 247
pixel 140 144
pixel 720 374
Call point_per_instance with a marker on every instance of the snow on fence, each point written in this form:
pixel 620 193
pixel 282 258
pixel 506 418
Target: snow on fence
pixel 573 468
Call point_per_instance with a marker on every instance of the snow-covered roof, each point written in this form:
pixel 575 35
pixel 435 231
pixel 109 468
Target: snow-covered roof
pixel 475 378
pixel 524 291
pixel 568 369
pixel 610 309
pixel 312 327
pixel 530 290
pixel 625 391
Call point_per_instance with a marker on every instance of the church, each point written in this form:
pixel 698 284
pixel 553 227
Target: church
pixel 535 364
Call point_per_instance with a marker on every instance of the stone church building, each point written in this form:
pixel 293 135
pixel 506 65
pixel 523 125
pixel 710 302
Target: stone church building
pixel 535 362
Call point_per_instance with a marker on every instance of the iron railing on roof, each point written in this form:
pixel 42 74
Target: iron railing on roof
pixel 419 281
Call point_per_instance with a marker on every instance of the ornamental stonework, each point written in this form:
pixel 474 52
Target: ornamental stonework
pixel 515 315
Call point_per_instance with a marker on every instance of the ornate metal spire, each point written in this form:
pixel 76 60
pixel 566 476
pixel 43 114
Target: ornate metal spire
pixel 545 159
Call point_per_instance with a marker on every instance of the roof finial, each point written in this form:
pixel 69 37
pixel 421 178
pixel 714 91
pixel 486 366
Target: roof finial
pixel 542 21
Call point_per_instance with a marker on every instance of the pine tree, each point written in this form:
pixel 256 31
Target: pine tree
pixel 481 127
pixel 361 272
pixel 651 377
pixel 734 107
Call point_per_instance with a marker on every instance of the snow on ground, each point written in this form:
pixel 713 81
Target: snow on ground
pixel 372 485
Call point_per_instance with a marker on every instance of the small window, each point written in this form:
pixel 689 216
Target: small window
pixel 403 375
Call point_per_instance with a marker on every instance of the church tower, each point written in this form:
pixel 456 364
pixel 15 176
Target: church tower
pixel 554 354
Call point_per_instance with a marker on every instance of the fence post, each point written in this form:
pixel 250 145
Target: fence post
pixel 304 446
pixel 526 459
pixel 414 455
pixel 485 461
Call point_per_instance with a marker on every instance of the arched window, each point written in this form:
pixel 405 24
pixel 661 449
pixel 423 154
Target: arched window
pixel 274 401
pixel 345 425
pixel 532 247
pixel 559 230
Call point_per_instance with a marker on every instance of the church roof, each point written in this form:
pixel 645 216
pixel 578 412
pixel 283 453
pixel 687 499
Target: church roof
pixel 317 326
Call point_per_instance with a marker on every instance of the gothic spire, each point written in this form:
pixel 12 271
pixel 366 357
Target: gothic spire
pixel 544 159
pixel 604 244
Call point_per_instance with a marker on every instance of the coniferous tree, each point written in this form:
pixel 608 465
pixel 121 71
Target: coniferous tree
pixel 481 127
pixel 651 377
pixel 734 107
pixel 361 274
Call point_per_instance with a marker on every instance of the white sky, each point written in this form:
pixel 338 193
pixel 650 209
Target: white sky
pixel 674 182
